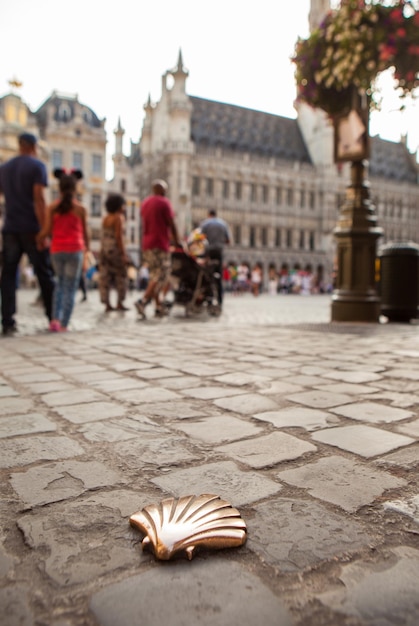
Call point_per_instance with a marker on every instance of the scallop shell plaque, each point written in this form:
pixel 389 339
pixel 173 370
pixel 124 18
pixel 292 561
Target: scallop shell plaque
pixel 184 524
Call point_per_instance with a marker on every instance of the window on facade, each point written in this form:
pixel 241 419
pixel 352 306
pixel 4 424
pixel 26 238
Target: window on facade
pixel 312 241
pixel 133 210
pixel 195 185
pixel 264 236
pixel 265 194
pixel 78 160
pixel 132 235
pixel 289 238
pixel 290 196
pixel 311 200
pixel 237 234
pixel 252 237
pixel 238 190
pixel 277 237
pixel 96 164
pixel 225 188
pixel 210 187
pixel 302 239
pixel 123 185
pixel 253 193
pixel 278 195
pixel 95 205
pixel 303 198
pixel 57 159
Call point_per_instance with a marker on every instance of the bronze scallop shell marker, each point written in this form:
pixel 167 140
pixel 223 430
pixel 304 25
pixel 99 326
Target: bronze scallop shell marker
pixel 187 523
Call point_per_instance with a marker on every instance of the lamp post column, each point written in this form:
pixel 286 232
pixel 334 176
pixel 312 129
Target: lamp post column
pixel 355 298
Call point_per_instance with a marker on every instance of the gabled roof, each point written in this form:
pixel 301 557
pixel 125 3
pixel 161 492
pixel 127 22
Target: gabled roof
pixel 392 160
pixel 236 128
pixel 245 130
pixel 64 110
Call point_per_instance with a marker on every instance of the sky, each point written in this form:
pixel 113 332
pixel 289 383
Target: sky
pixel 113 55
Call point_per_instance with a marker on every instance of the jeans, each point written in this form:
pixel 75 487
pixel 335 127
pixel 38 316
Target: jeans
pixel 67 267
pixel 14 246
pixel 216 256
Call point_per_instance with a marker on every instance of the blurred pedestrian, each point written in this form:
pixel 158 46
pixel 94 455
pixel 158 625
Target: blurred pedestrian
pixel 113 259
pixel 218 235
pixel 22 182
pixel 66 224
pixel 158 229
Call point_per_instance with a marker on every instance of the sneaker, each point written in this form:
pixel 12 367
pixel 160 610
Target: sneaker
pixel 9 331
pixel 54 326
pixel 140 306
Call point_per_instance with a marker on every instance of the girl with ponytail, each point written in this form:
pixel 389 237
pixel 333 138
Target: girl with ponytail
pixel 66 224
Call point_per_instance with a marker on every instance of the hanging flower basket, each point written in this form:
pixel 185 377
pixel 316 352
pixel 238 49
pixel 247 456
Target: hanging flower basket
pixel 351 47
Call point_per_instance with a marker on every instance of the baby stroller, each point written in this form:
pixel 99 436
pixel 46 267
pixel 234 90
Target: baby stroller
pixel 193 278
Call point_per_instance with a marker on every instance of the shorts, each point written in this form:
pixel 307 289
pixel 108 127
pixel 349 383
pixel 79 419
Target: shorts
pixel 158 262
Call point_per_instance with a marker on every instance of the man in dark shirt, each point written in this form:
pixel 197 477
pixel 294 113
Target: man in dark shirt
pixel 22 182
pixel 217 232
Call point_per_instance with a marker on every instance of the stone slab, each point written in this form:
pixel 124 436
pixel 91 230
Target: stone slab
pixel 72 396
pixel 277 387
pixel 25 450
pixel 210 393
pixel 298 417
pixel 411 429
pixel 320 399
pixel 59 481
pixel 223 478
pixel 293 534
pixel 146 395
pixel 241 378
pixel 247 403
pixel 10 405
pixel 382 593
pixel 269 450
pixel 119 430
pixel 363 440
pixel 372 412
pixel 205 592
pixel 405 457
pixel 355 376
pixel 82 540
pixel 14 604
pixel 219 428
pixel 406 506
pixel 344 482
pixel 24 425
pixel 6 391
pixel 353 389
pixel 155 450
pixel 91 411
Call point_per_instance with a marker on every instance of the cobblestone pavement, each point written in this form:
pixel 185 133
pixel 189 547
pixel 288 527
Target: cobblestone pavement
pixel 309 428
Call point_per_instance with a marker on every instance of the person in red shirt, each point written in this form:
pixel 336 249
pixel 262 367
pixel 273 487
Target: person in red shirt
pixel 66 224
pixel 158 231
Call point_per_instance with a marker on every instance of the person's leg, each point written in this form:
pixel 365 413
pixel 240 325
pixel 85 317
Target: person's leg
pixel 71 279
pixel 41 262
pixel 12 253
pixel 58 262
pixel 121 286
pixel 104 283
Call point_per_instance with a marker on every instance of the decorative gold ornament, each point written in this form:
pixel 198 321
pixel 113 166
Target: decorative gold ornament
pixel 184 524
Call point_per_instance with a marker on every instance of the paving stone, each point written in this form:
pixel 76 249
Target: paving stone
pixel 411 429
pixel 401 400
pixel 372 412
pixel 277 387
pixel 91 411
pixel 25 450
pixel 87 538
pixel 39 376
pixel 116 384
pixel 25 424
pixel 176 410
pixel 363 440
pixel 347 388
pixel 44 388
pixel 6 391
pixel 59 481
pixel 268 450
pixel 303 380
pixel 15 610
pixel 72 396
pixel 355 376
pixel 293 534
pixel 6 562
pixel 406 506
pixel 146 395
pixel 180 382
pixel 10 405
pixel 248 403
pixel 409 374
pixel 91 377
pixel 298 417
pixel 211 393
pixel 205 592
pixel 160 451
pixel 119 430
pixel 320 399
pixel 346 483
pixel 241 378
pixel 384 593
pixel 406 458
pixel 224 479
pixel 219 428
pixel 157 373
